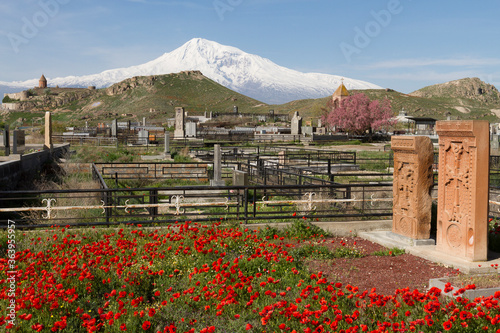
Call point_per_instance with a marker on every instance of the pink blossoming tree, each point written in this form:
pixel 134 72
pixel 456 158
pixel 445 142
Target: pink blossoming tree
pixel 357 114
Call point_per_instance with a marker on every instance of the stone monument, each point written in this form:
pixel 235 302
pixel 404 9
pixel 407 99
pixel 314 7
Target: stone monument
pixel 48 132
pixel 143 137
pixel 296 123
pixel 191 129
pixel 18 141
pixel 114 128
pixel 179 123
pixel 413 179
pixel 462 221
pixel 217 181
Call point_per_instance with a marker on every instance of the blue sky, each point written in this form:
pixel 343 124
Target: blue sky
pixel 399 44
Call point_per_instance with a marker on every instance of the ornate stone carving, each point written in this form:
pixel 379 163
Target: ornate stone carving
pixel 413 158
pixel 463 188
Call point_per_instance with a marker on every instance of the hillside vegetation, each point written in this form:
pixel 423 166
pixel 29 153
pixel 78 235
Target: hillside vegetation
pixel 468 98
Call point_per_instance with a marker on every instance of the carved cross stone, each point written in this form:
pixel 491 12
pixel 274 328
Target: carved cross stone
pixel 412 203
pixel 462 221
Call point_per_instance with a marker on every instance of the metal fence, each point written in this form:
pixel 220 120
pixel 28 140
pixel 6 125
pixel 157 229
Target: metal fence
pixel 246 204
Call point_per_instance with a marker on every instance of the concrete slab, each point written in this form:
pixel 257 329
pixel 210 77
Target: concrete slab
pixel 429 252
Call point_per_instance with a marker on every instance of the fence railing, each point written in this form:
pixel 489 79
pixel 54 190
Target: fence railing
pixel 248 204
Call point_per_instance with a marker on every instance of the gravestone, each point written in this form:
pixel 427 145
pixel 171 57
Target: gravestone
pixel 240 178
pixel 18 142
pixel 217 181
pixel 48 132
pixel 6 140
pixel 143 121
pixel 179 123
pixel 296 123
pixel 307 130
pixel 413 179
pixel 114 128
pixel 320 123
pixel 494 143
pixel 321 130
pixel 235 109
pixel 143 137
pixel 191 130
pixel 166 150
pixel 462 220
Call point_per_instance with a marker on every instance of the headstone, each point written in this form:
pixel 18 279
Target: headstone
pixel 143 121
pixel 191 130
pixel 114 128
pixel 320 123
pixel 179 123
pixel 413 178
pixel 217 181
pixel 48 131
pixel 235 109
pixel 321 130
pixel 18 142
pixel 143 137
pixel 462 220
pixel 296 124
pixel 240 178
pixel 307 130
pixel 211 114
pixel 6 140
pixel 166 150
pixel 494 143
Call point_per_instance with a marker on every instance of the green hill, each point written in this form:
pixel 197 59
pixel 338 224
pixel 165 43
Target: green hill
pixel 156 97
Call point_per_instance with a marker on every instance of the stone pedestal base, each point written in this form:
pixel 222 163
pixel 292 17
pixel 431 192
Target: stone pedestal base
pixel 217 183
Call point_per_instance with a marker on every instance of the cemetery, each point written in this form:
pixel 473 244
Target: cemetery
pixel 211 230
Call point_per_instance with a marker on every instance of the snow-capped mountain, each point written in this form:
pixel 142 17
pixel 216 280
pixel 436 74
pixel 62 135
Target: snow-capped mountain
pixel 245 73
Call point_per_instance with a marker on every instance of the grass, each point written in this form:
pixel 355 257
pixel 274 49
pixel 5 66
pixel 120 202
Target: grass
pixel 392 252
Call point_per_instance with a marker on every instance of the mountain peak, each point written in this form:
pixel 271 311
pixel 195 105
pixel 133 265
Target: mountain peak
pixel 235 69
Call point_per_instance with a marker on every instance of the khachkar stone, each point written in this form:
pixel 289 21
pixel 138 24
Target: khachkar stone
pixel 412 203
pixel 296 123
pixel 462 221
pixel 179 123
pixel 48 131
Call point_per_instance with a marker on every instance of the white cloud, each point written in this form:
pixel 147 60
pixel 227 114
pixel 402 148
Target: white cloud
pixel 458 62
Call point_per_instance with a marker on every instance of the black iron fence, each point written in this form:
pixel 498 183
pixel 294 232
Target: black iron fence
pixel 248 204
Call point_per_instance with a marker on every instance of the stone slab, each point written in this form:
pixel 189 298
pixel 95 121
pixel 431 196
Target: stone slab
pixel 462 220
pixel 469 294
pixel 433 254
pixel 413 179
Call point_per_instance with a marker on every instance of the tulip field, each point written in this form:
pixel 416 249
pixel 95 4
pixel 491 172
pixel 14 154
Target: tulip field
pixel 189 277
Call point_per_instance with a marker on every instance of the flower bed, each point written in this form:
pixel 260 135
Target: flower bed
pixel 208 278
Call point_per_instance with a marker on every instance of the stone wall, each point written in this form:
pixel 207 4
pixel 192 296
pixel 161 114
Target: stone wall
pixel 11 106
pixel 27 167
